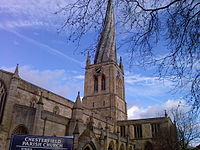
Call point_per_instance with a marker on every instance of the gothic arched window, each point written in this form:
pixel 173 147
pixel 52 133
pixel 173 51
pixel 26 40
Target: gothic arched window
pixel 21 129
pixel 95 84
pixel 103 82
pixel 2 99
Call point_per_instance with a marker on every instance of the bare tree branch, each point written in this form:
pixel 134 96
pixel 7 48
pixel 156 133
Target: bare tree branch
pixel 141 25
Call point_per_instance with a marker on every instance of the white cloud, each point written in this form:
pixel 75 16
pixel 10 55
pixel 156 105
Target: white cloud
pixel 31 13
pixel 79 77
pixel 136 112
pixel 57 81
pixel 151 81
pixel 146 87
pixel 22 23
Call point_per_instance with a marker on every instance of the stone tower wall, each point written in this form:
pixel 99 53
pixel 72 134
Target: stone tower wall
pixel 109 102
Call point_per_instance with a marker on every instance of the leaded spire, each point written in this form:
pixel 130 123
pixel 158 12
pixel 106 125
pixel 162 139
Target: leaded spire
pixel 106 49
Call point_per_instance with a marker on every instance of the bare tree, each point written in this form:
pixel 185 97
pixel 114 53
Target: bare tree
pixel 188 127
pixel 166 139
pixel 141 25
pixel 183 134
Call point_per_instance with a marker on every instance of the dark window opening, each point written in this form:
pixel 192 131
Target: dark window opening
pixel 95 84
pixel 155 127
pixel 148 146
pixel 138 131
pixel 103 83
pixel 122 131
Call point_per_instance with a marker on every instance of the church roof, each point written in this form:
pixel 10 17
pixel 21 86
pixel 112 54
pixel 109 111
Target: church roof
pixel 106 48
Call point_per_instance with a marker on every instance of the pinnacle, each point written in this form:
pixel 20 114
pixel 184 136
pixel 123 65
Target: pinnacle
pixel 16 73
pixel 40 100
pixel 78 103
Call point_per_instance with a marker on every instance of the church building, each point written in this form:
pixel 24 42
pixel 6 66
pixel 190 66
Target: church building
pixel 97 122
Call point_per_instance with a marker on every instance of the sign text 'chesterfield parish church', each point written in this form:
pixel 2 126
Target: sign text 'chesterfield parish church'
pixel 34 142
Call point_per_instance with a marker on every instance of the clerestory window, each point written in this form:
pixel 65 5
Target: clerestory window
pixel 138 131
pixel 122 131
pixel 155 128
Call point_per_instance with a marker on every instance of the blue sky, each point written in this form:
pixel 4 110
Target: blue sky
pixel 29 37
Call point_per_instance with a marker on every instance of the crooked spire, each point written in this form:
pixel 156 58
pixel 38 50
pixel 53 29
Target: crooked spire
pixel 106 48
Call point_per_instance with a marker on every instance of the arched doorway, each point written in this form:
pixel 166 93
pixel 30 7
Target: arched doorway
pixel 21 129
pixel 148 146
pixel 89 146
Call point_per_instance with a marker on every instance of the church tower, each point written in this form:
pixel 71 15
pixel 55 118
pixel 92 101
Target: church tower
pixel 104 80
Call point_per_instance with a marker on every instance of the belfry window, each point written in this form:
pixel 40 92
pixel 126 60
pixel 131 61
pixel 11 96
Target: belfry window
pixel 95 84
pixel 103 82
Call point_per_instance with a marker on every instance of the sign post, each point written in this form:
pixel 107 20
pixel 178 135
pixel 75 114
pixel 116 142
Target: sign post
pixel 36 142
